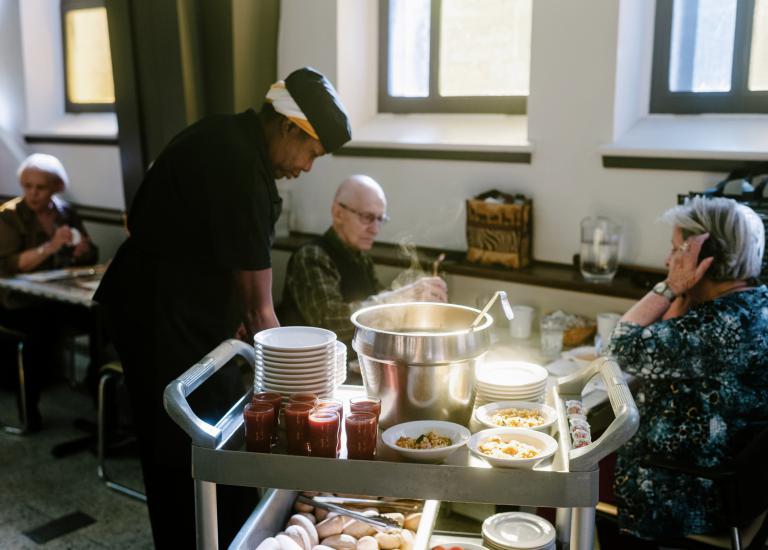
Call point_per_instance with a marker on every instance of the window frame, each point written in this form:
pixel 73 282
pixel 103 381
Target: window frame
pixel 70 106
pixel 738 100
pixel 433 103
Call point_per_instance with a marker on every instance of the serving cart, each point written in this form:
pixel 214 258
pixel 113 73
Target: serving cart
pixel 568 481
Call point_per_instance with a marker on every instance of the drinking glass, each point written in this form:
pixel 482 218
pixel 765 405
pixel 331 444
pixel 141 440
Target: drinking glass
pixel 324 429
pixel 363 404
pixel 297 427
pixel 276 401
pixel 551 337
pixel 599 254
pixel 334 405
pixel 259 421
pixel 362 432
pixel 303 397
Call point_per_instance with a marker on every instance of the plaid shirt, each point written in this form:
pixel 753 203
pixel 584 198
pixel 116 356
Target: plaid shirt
pixel 314 282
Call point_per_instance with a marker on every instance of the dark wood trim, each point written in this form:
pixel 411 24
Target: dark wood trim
pixel 690 164
pixel 631 282
pixel 434 154
pixel 70 140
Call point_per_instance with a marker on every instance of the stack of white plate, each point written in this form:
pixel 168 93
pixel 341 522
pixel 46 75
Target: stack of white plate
pixel 299 359
pixel 518 531
pixel 509 381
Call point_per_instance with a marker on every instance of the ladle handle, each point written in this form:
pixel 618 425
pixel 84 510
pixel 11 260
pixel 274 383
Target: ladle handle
pixel 504 305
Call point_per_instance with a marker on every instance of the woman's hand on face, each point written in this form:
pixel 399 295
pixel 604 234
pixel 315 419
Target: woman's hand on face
pixel 61 237
pixel 685 271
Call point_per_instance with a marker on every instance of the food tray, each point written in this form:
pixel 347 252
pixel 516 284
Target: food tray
pixel 569 480
pixel 276 506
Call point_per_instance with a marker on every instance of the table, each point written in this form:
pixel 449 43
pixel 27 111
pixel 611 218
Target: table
pixel 72 286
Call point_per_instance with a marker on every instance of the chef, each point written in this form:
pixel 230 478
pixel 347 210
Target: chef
pixel 197 267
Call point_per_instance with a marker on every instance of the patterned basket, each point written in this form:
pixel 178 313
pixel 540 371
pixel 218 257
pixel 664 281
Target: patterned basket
pixel 499 231
pixel 577 336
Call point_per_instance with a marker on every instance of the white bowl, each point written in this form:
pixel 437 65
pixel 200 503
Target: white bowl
pixel 484 413
pixel 456 432
pixel 462 545
pixel 545 444
pixel 294 339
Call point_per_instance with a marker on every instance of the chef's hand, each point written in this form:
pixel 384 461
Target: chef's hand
pixel 61 237
pixel 426 289
pixel 685 270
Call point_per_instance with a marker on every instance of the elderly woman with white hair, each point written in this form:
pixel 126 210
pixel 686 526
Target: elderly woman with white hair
pixel 39 230
pixel 698 345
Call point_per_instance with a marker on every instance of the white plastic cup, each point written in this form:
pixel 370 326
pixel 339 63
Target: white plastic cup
pixel 552 331
pixel 605 325
pixel 520 325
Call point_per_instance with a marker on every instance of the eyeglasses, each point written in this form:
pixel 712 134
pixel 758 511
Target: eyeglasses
pixel 366 218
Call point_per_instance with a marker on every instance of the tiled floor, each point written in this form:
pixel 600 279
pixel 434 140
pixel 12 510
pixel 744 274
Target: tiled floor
pixel 36 488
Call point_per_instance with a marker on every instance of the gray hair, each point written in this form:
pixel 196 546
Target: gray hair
pixel 47 164
pixel 736 235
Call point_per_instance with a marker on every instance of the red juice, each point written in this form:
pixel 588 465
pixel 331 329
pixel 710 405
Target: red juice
pixel 306 397
pixel 324 433
pixel 297 427
pixel 337 406
pixel 276 401
pixel 363 404
pixel 258 420
pixel 362 431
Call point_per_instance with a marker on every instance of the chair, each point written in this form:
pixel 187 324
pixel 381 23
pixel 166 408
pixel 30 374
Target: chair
pixel 111 374
pixel 18 338
pixel 743 485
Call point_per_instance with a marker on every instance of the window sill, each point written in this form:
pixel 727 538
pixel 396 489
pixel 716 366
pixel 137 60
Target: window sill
pixel 716 143
pixel 490 138
pixel 630 282
pixel 84 129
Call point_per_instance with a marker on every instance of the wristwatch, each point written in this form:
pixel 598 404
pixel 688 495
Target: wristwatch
pixel 662 289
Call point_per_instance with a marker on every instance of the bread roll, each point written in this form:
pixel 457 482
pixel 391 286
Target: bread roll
pixel 301 507
pixel 330 526
pixel 287 543
pixel 300 536
pixel 358 529
pixel 367 543
pixel 340 542
pixel 412 521
pixel 407 538
pixel 310 517
pixel 389 541
pixel 269 543
pixel 301 521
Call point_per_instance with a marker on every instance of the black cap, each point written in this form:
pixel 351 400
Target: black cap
pixel 318 100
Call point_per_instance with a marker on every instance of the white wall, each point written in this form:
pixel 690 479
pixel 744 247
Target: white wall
pixel 571 113
pixel 11 92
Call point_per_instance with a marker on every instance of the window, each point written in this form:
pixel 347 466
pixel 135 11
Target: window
pixel 88 83
pixel 710 56
pixel 465 56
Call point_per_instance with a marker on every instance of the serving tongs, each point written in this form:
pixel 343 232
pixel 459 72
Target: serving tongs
pixel 400 505
pixel 380 522
pixel 500 295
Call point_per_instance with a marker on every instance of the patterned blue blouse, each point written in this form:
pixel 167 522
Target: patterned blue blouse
pixel 703 383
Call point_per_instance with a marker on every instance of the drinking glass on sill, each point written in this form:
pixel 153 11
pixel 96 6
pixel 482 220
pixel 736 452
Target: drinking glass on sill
pixel 551 337
pixel 259 420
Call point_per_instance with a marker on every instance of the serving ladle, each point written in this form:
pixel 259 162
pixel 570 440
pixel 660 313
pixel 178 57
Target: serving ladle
pixel 500 294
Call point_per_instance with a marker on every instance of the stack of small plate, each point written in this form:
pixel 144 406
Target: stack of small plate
pixel 509 381
pixel 518 531
pixel 299 359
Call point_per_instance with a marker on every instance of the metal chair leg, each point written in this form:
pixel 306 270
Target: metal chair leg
pixel 24 413
pixel 101 468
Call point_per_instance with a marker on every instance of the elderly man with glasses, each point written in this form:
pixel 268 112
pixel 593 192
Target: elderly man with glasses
pixel 333 276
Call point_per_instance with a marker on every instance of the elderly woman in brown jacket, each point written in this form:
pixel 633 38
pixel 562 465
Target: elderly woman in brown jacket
pixel 40 231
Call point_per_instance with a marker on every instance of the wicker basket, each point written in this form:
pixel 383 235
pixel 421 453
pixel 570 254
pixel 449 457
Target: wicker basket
pixel 577 336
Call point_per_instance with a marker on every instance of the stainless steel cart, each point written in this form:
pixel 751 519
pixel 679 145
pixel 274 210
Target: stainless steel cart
pixel 568 481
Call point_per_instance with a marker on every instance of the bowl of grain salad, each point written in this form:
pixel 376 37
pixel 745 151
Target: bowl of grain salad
pixel 517 414
pixel 425 440
pixel 512 447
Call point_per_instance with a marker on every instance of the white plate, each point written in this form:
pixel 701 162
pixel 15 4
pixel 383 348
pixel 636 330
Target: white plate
pixel 509 396
pixel 512 389
pixel 313 388
pixel 462 545
pixel 518 530
pixel 294 339
pixel 456 432
pixel 289 368
pixel 293 358
pixel 582 355
pixel 545 444
pixel 510 374
pixel 484 414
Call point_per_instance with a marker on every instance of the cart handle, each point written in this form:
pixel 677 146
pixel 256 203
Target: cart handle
pixel 176 393
pixel 624 425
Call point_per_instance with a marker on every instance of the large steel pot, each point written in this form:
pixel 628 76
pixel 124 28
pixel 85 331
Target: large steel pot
pixel 420 358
